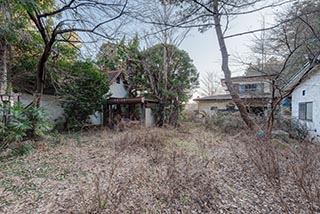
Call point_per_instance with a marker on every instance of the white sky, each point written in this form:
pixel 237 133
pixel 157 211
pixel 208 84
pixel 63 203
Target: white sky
pixel 203 48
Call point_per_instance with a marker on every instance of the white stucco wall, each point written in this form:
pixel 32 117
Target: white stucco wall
pixel 312 94
pixel 50 103
pixel 96 119
pixel 52 107
pixel 118 90
pixel 149 117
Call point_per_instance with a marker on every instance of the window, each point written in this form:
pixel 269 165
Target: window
pixel 213 108
pixel 118 80
pixel 305 111
pixel 250 87
pixel 254 87
pixel 303 92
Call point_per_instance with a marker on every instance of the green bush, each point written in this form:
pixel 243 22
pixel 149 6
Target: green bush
pixel 23 123
pixel 84 93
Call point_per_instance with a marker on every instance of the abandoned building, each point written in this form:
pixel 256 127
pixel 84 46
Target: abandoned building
pixel 254 90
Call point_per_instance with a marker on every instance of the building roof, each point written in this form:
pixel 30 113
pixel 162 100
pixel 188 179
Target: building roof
pixel 301 75
pixel 228 97
pixel 261 76
pixel 132 100
pixel 112 75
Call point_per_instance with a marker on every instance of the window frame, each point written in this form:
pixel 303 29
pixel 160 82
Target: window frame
pixel 303 111
pixel 251 88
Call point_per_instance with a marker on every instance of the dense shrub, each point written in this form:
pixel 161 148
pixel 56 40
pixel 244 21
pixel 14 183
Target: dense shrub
pixel 295 129
pixel 226 122
pixel 23 123
pixel 84 93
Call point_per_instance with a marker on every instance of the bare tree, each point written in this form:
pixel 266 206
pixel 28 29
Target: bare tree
pixel 216 13
pixel 3 66
pixel 210 84
pixel 204 14
pixel 284 50
pixel 68 18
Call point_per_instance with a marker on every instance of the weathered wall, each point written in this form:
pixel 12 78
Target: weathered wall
pixel 52 107
pixel 149 118
pixel 50 103
pixel 118 90
pixel 266 84
pixel 312 94
pixel 206 105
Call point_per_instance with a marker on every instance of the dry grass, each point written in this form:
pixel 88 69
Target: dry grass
pixel 184 170
pixel 292 171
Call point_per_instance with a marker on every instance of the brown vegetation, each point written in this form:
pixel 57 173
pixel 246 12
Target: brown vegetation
pixel 185 170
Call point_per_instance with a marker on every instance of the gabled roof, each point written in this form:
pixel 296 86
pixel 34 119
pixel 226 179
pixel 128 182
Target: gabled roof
pixel 301 75
pixel 112 75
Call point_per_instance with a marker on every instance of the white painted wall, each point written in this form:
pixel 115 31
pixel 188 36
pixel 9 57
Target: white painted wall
pixel 52 107
pixel 206 105
pixel 267 87
pixel 118 90
pixel 149 117
pixel 312 94
pixel 266 84
pixel 50 103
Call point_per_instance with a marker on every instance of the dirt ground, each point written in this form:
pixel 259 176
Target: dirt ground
pixel 184 170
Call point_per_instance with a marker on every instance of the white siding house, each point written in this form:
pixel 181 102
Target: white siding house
pixel 254 90
pixel 117 88
pixel 306 102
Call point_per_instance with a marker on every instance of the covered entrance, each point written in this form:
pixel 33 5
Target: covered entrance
pixel 117 109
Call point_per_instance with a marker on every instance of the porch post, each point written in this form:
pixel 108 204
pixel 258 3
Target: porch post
pixel 105 114
pixel 110 118
pixel 143 114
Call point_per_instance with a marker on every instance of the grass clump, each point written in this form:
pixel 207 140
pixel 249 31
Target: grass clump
pixel 225 122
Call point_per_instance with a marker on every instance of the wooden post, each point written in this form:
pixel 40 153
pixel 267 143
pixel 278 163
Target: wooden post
pixel 106 115
pixel 129 111
pixel 110 118
pixel 143 114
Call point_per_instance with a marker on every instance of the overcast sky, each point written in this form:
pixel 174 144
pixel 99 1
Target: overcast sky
pixel 203 48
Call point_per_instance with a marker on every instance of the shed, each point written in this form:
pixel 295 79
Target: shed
pixel 146 106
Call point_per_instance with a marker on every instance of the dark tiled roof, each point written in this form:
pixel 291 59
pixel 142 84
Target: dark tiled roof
pixel 228 97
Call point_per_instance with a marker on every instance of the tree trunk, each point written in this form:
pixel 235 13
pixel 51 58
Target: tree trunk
pixel 41 73
pixel 3 66
pixel 227 73
pixel 9 70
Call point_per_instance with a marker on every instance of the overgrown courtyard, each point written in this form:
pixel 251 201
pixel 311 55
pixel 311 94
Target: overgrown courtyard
pixel 184 170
